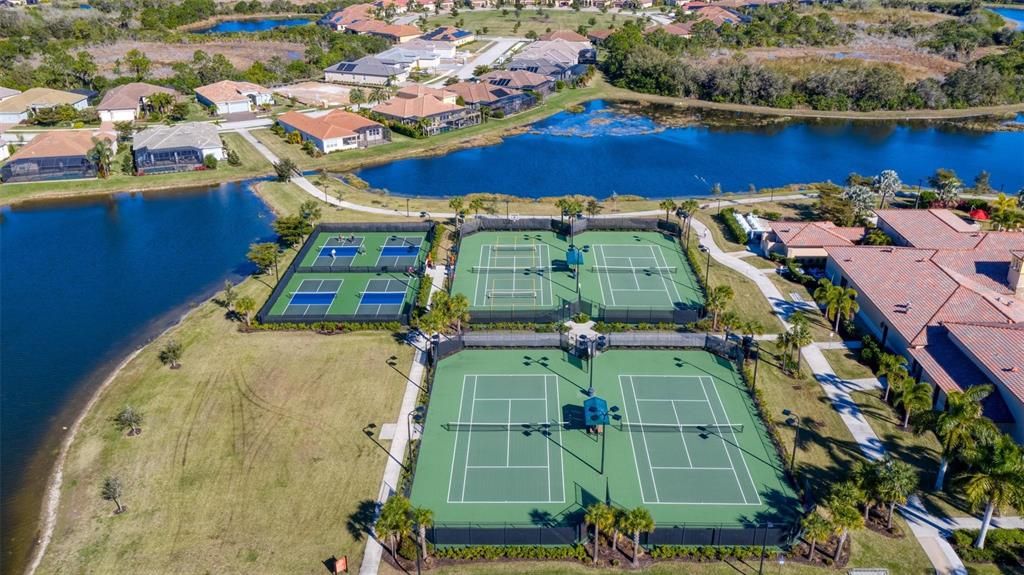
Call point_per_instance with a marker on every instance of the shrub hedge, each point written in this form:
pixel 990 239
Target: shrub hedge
pixel 1002 546
pixel 709 553
pixel 727 217
pixel 488 552
pixel 328 326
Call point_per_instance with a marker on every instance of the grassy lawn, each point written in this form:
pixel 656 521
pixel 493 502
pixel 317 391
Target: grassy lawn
pixel 252 455
pixel 846 364
pixel 761 263
pixel 253 164
pixel 498 24
pixel 721 235
pixel 748 302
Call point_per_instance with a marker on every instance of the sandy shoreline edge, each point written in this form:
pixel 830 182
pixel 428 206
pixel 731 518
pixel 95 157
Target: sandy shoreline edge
pixel 51 499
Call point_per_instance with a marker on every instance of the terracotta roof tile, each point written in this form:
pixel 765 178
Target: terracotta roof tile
pixel 59 143
pixel 128 96
pixel 998 348
pixel 415 108
pixel 334 124
pixel 230 91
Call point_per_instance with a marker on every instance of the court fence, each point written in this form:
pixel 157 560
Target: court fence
pixel 263 316
pixel 563 226
pixel 502 534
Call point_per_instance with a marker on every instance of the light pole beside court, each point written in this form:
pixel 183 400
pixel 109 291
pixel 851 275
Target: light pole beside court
pixel 794 420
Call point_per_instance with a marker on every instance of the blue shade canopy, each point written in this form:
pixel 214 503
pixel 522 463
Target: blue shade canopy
pixel 596 411
pixel 574 256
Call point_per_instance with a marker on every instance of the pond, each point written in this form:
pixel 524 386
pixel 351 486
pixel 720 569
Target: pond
pixel 249 25
pixel 83 285
pixel 1014 15
pixel 608 149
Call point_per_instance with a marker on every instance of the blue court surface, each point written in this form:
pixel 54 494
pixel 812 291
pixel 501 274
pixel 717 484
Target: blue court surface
pixel 312 298
pixel 399 251
pixel 338 251
pixel 382 298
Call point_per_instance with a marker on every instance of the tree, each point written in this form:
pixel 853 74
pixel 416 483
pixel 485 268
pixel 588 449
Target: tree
pixel 423 518
pixel 668 205
pixel 457 204
pixel 887 185
pixel 961 428
pixel 394 522
pixel 911 395
pixel 862 198
pixel 876 237
pixel 842 504
pixel 125 130
pixel 264 256
pixel 102 154
pixel 1004 212
pixel 796 338
pixel 357 96
pixel 601 517
pixel 816 528
pixel 171 354
pixel 210 162
pixel 230 295
pixel 310 211
pixel 982 183
pixel 245 306
pixel 284 170
pixel 476 204
pixel 895 481
pixel 997 481
pixel 129 419
pixel 947 186
pixel 161 102
pixel 718 297
pixel 457 310
pixel 637 520
pixel 112 491
pixel 840 302
pixel 593 207
pixel 690 208
pixel 889 365
pixel 292 229
pixel 138 64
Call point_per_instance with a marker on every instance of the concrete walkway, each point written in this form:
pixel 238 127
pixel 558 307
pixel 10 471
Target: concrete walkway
pixel 393 469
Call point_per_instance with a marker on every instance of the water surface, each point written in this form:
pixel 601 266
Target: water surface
pixel 607 149
pixel 84 284
pixel 253 25
pixel 1014 15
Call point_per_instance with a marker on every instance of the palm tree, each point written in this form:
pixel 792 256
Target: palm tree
pixel 691 207
pixel 593 207
pixel 718 298
pixel 638 520
pixel 245 306
pixel 102 154
pixel 112 491
pixel 886 185
pixel 865 476
pixel 798 336
pixel 996 482
pixel 457 310
pixel 895 482
pixel 840 302
pixel 619 526
pixel 230 295
pixel 456 204
pixel 160 102
pixel 961 427
pixel 785 342
pixel 668 204
pixel 476 204
pixel 601 517
pixel 890 364
pixel 912 396
pixel 816 528
pixel 394 522
pixel 845 515
pixel 423 518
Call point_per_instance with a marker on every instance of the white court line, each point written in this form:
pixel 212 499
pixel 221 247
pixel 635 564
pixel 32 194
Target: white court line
pixel 451 475
pixel 736 442
pixel 506 466
pixel 547 449
pixel 724 444
pixel 636 280
pixel 508 442
pixel 694 468
pixel 682 434
pixel 661 400
pixel 476 292
pixel 636 464
pixel 469 439
pixel 643 434
pixel 508 399
pixel 561 456
pixel 665 283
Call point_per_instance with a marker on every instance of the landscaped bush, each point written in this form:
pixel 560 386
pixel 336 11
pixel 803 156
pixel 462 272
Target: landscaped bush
pixel 607 327
pixel 520 326
pixel 327 326
pixel 870 351
pixel 693 257
pixel 728 218
pixel 709 553
pixel 423 295
pixel 1002 546
pixel 408 548
pixel 489 552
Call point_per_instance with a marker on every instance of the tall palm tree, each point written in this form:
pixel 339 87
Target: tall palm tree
pixel 911 396
pixel 638 521
pixel 785 342
pixel 457 310
pixel 961 428
pixel 996 482
pixel 456 204
pixel 423 518
pixel 889 365
pixel 718 297
pixel 840 302
pixel 816 528
pixel 160 102
pixel 102 154
pixel 668 204
pixel 601 517
pixel 802 336
pixel 845 518
pixel 895 482
pixel 245 305
pixel 476 204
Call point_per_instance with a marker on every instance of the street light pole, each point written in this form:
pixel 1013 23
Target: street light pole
pixel 795 419
pixel 406 207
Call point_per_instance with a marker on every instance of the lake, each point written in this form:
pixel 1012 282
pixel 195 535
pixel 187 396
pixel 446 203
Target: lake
pixel 607 149
pixel 1014 15
pixel 253 25
pixel 83 285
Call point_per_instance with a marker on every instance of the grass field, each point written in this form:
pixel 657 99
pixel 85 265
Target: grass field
pixel 498 24
pixel 521 451
pixel 252 455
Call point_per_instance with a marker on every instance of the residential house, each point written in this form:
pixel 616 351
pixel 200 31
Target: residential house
pixel 599 35
pixel 718 15
pixel 547 68
pixel 55 155
pixel 316 94
pixel 520 80
pixel 500 101
pixel 231 97
pixel 366 71
pixel 805 242
pixel 339 20
pixel 19 108
pixel 561 51
pixel 177 148
pixel 567 35
pixel 335 130
pixel 126 103
pixel 394 6
pixel 680 29
pixel 428 112
pixel 948 297
pixel 6 93
pixel 417 55
pixel 416 90
pixel 450 34
pixel 394 33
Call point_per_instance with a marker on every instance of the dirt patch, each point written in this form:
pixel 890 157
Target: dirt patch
pixel 241 53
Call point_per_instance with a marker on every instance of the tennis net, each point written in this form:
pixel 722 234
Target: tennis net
pixel 508 269
pixel 654 270
pixel 513 247
pixel 503 426
pixel 499 293
pixel 715 428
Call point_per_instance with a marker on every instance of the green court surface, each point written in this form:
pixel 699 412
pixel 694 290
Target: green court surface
pixel 527 270
pixel 503 441
pixel 340 250
pixel 311 296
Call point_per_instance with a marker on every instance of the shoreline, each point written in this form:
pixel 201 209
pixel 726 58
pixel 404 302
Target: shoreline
pixel 47 518
pixel 214 20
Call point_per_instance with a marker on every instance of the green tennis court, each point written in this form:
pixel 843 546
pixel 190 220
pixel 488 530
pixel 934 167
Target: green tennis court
pixel 504 440
pixel 337 251
pixel 527 270
pixel 313 296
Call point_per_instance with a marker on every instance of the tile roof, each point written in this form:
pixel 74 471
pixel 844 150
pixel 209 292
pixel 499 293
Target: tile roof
pixel 447 34
pixel 201 135
pixel 8 92
pixel 560 51
pixel 415 108
pixel 349 15
pixel 128 96
pixel 682 29
pixel 939 229
pixel 230 91
pixel 366 66
pixel 481 92
pixel 567 35
pixel 59 143
pixel 383 28
pixel 600 34
pixel 999 348
pixel 519 79
pixel 39 98
pixel 718 15
pixel 416 90
pixel 334 124
pixel 815 234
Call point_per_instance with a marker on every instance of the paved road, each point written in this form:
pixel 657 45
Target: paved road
pixel 494 52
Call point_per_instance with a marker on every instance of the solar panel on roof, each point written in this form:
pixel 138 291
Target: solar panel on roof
pixel 501 82
pixel 346 67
